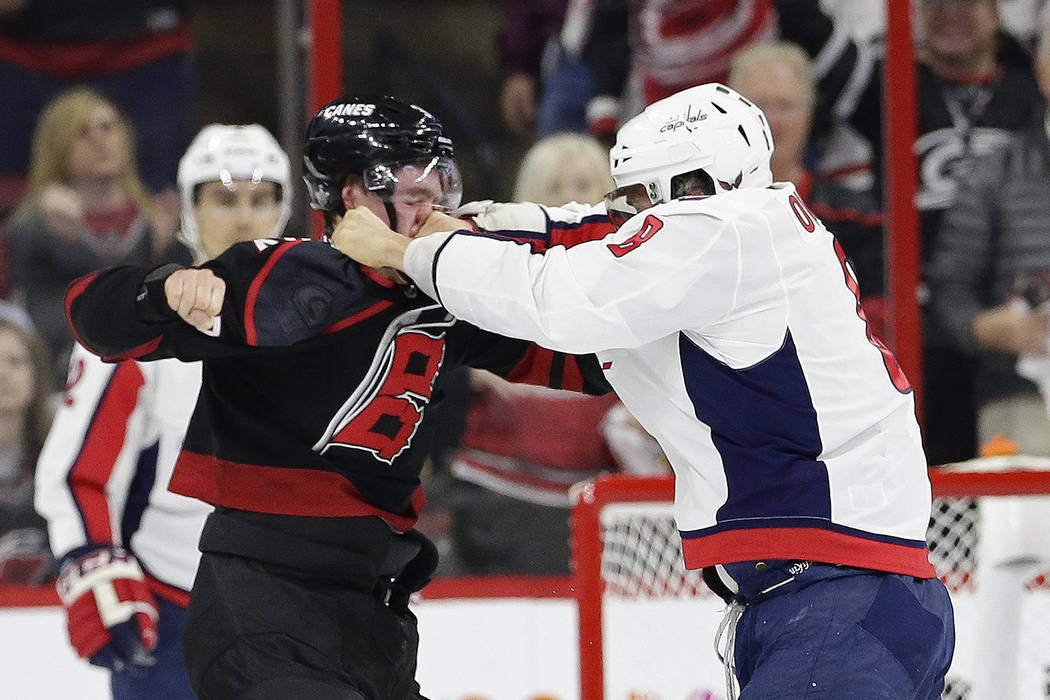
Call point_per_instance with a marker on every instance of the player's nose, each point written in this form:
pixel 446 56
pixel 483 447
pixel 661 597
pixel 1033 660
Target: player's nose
pixel 420 214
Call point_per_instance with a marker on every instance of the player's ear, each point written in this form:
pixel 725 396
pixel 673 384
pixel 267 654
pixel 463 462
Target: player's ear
pixel 352 195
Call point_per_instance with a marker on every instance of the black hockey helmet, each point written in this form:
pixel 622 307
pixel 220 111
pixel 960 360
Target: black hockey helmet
pixel 373 136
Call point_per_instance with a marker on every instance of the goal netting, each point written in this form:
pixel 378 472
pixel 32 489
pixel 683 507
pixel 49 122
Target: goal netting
pixel 647 626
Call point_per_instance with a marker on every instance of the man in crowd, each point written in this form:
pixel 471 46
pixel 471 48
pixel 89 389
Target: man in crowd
pixel 974 87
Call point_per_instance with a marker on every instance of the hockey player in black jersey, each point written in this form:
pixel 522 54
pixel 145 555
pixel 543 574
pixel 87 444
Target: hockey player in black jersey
pixel 310 430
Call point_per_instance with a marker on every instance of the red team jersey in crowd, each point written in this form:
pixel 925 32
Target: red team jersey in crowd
pixel 668 45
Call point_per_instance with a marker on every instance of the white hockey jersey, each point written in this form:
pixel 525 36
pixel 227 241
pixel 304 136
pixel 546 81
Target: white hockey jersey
pixel 730 327
pixel 103 474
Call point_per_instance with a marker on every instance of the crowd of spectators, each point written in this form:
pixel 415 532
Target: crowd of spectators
pixel 87 173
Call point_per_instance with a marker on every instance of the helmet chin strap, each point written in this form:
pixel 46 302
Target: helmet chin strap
pixel 410 287
pixel 391 214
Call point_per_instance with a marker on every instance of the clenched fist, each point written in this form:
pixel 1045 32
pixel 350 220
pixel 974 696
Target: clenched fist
pixel 196 296
pixel 364 237
pixel 439 222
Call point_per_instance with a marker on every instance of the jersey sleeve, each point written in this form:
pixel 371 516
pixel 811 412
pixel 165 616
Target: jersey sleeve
pixel 544 227
pixel 659 273
pixel 277 293
pixel 524 362
pixel 85 469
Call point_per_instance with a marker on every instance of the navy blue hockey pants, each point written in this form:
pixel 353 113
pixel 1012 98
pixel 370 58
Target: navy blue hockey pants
pixel 819 631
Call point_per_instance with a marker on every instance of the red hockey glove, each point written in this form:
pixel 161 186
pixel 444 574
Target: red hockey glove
pixel 111 613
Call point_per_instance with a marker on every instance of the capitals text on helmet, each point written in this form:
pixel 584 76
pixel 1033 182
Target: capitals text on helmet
pixel 689 118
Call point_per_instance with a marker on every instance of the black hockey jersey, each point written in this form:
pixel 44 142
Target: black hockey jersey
pixel 316 382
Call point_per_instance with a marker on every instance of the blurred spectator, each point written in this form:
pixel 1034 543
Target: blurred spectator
pixel 1021 18
pixel 975 86
pixel 778 77
pixel 25 414
pixel 546 82
pixel 529 28
pixel 989 278
pixel 138 53
pixel 512 471
pixel 85 209
pixel 564 168
pixel 103 474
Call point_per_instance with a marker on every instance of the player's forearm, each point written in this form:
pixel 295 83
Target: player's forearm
pixel 392 254
pixel 105 311
pixel 500 286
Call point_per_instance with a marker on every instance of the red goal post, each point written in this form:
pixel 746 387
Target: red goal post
pixel 626 551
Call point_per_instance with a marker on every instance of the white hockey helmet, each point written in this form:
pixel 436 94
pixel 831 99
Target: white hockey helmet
pixel 228 152
pixel 707 127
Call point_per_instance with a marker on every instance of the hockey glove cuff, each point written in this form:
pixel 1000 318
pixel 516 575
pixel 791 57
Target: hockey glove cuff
pixel 112 615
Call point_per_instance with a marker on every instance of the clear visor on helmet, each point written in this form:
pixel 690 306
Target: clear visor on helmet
pixel 624 202
pixel 437 183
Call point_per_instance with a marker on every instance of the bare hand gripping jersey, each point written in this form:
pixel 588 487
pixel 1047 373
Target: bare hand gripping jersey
pixel 316 383
pixel 731 329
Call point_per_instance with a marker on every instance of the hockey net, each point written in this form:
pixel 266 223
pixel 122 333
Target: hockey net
pixel 647 626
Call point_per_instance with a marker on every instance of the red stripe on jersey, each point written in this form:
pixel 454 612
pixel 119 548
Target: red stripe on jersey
pixel 83 60
pixel 167 592
pixel 589 231
pixel 713 67
pixel 251 335
pixel 533 368
pixel 358 317
pixel 373 275
pixel 685 21
pixel 75 290
pixel 893 368
pixel 102 444
pixel 280 490
pixel 806 543
pixel 572 377
pixel 762 24
pixel 135 353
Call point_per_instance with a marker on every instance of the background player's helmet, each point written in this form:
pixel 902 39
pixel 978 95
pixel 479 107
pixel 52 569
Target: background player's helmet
pixel 373 137
pixel 708 127
pixel 223 153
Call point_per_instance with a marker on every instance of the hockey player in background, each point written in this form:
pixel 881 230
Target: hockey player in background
pixel 310 431
pixel 128 545
pixel 726 319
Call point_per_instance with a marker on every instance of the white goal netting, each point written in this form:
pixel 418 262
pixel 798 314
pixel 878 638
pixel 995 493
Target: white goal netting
pixel 658 621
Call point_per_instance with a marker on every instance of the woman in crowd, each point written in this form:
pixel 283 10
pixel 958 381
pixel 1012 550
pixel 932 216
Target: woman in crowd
pixel 85 208
pixel 25 415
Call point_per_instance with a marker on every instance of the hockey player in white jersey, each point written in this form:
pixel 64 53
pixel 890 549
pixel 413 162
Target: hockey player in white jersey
pixel 128 546
pixel 727 320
